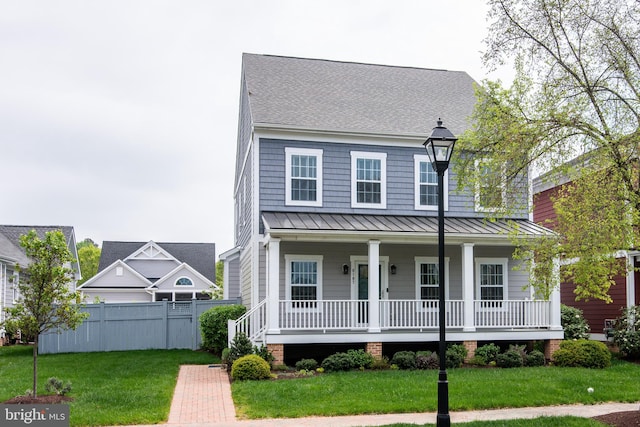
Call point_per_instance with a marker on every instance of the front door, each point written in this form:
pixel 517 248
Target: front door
pixel 361 270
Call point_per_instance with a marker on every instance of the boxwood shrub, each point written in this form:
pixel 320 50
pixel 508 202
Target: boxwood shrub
pixel 250 367
pixel 582 353
pixel 404 360
pixel 337 362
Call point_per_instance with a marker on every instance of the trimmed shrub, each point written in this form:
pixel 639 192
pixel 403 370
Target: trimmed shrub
pixel 456 353
pixel 360 359
pixel 306 364
pixel 626 334
pixel 535 358
pixel 487 353
pixel 240 346
pixel 250 367
pixel 510 359
pixel 214 327
pixel 337 362
pixel 582 353
pixel 573 322
pixel 404 360
pixel 428 360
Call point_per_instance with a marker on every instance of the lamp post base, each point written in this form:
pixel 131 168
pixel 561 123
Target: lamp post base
pixel 443 419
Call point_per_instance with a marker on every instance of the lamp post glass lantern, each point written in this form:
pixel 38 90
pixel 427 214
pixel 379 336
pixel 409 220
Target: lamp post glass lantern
pixel 439 148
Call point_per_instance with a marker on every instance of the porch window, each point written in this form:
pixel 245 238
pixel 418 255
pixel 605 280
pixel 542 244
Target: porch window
pixel 304 280
pixel 368 180
pixel 303 176
pixel 490 195
pixel 428 279
pixel 426 184
pixel 491 274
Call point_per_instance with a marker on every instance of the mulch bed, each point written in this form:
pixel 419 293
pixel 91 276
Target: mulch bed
pixel 46 399
pixel 620 419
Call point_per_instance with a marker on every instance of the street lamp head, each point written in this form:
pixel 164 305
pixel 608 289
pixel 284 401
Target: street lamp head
pixel 439 147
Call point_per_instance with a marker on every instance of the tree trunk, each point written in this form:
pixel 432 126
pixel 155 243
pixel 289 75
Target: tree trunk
pixel 35 366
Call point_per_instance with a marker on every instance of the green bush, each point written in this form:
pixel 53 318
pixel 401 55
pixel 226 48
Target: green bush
pixel 306 364
pixel 360 359
pixel 263 352
pixel 626 334
pixel 57 386
pixel 535 358
pixel 337 362
pixel 380 364
pixel 510 359
pixel 456 353
pixel 487 353
pixel 582 353
pixel 214 326
pixel 240 346
pixel 574 324
pixel 404 360
pixel 428 360
pixel 250 367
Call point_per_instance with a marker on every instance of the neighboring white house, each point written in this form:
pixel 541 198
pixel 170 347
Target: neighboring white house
pixel 144 272
pixel 331 178
pixel 12 254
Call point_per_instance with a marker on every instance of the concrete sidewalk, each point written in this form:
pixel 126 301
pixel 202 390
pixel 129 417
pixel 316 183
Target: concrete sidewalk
pixel 203 398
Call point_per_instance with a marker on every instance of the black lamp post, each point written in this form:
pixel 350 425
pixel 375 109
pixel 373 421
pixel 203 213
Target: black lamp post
pixel 439 148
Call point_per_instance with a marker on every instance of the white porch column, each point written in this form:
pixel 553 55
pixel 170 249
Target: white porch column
pixel 467 287
pixel 554 298
pixel 273 286
pixel 374 286
pixel 631 288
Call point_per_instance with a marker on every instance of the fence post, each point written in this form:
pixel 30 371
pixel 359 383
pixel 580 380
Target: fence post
pixel 165 323
pixel 194 324
pixel 102 328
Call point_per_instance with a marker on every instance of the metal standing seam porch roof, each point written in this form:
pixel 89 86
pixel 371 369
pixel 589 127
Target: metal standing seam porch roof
pixel 293 223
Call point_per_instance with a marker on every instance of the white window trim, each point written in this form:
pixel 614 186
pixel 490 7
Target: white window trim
pixel 288 258
pixel 430 260
pixel 480 208
pixel 505 271
pixel 175 283
pixel 417 159
pixel 291 151
pixel 355 155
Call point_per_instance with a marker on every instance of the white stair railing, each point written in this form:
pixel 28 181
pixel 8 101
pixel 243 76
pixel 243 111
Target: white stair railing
pixel 253 324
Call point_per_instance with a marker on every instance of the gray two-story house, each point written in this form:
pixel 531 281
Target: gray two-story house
pixel 331 179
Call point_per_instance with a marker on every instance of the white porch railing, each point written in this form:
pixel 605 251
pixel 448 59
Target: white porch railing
pixel 512 314
pixel 412 314
pixel 253 323
pixel 324 315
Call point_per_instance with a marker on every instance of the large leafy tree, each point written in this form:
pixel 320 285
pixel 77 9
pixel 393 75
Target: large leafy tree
pixel 46 301
pixel 573 107
pixel 88 258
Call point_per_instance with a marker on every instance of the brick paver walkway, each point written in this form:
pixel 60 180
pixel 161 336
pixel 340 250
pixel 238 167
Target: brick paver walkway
pixel 202 395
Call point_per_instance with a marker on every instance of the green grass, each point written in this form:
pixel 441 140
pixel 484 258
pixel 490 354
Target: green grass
pixel 379 392
pixel 132 387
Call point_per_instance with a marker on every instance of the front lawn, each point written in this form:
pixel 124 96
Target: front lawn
pixel 378 392
pixel 120 387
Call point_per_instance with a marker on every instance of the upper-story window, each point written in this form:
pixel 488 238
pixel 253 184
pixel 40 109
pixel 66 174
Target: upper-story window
pixel 426 184
pixel 490 195
pixel 184 281
pixel 303 177
pixel 368 180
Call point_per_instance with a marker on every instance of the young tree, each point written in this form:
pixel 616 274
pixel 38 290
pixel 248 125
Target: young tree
pixel 46 301
pixel 576 94
pixel 89 258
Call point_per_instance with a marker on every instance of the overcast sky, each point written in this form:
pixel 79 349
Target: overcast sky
pixel 119 118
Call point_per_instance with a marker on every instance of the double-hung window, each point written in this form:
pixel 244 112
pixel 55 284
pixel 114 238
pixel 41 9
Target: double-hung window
pixel 490 195
pixel 426 184
pixel 428 280
pixel 491 276
pixel 304 280
pixel 303 185
pixel 368 180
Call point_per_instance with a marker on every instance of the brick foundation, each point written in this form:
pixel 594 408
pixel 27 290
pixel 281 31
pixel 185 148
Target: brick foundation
pixel 375 348
pixel 471 347
pixel 550 346
pixel 277 350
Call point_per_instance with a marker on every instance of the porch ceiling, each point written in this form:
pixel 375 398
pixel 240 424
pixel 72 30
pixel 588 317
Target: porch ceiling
pixel 311 226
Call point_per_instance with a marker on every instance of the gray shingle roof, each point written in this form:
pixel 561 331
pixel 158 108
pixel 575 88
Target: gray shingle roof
pixel 324 95
pixel 10 244
pixel 200 256
pixel 314 222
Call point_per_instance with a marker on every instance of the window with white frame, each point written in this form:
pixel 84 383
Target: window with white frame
pixel 304 280
pixel 303 184
pixel 426 184
pixel 183 281
pixel 428 278
pixel 491 276
pixel 368 180
pixel 490 195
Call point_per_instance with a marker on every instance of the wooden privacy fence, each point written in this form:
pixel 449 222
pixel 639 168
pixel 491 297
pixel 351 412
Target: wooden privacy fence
pixel 133 326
